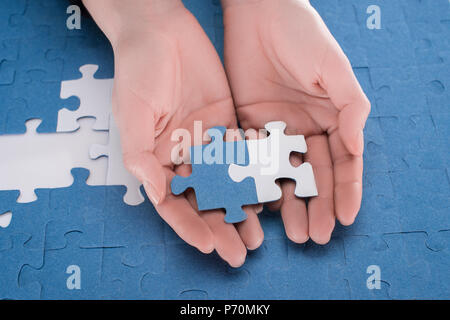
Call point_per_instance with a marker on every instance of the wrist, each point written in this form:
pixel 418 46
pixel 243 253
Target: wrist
pixel 118 18
pixel 230 3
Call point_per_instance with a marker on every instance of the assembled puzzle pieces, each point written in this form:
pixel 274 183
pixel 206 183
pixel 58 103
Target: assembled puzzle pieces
pixel 266 160
pixel 213 186
pixel 269 161
pixel 71 272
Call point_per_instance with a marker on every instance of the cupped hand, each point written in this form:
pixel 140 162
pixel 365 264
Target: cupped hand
pixel 283 64
pixel 168 75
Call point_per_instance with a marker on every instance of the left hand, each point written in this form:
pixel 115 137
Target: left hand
pixel 283 64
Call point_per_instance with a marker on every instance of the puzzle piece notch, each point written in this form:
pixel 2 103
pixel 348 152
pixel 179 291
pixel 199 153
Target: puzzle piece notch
pixel 12 260
pixel 120 280
pixel 130 227
pixel 95 100
pixel 214 189
pixel 5 219
pixel 76 208
pixel 117 173
pixel 28 219
pixel 269 161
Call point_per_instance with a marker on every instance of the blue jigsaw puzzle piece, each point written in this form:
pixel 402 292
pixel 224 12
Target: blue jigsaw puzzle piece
pixel 28 219
pixel 34 56
pixel 421 273
pixel 436 81
pixel 122 281
pixel 9 53
pixel 34 99
pixel 12 260
pixel 131 227
pixel 214 189
pixel 423 197
pixel 422 150
pixel 257 271
pixel 292 278
pixel 90 48
pixel 389 46
pixel 215 281
pixel 68 273
pixel 375 159
pixel 362 253
pixel 50 17
pixel 442 123
pixel 399 91
pixel 9 9
pixel 76 208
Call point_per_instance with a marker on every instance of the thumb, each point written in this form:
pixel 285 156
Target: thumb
pixel 136 122
pixel 148 169
pixel 346 94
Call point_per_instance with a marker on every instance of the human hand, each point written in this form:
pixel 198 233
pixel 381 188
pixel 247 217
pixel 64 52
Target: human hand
pixel 284 64
pixel 168 75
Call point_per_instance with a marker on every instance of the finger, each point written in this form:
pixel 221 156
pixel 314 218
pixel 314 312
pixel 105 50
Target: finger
pixel 250 230
pixel 258 208
pixel 348 170
pixel 321 208
pixel 293 209
pixel 276 205
pixel 227 241
pixel 345 92
pixel 185 221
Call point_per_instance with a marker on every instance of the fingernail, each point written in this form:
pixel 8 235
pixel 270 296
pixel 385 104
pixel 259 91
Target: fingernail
pixel 151 192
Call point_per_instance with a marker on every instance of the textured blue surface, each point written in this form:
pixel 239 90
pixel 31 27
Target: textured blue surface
pixel 128 252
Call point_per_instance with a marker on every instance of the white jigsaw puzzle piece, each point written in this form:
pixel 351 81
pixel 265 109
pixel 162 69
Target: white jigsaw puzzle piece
pixel 44 160
pixel 117 173
pixel 95 100
pixel 269 161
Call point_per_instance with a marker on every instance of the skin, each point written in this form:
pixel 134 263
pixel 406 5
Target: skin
pixel 167 75
pixel 283 64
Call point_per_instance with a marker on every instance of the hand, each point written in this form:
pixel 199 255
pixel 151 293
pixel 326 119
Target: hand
pixel 284 64
pixel 167 75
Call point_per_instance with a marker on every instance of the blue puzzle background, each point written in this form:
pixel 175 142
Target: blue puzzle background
pixel 128 252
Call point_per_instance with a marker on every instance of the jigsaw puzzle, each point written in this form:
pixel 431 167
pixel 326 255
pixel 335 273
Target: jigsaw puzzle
pixel 75 271
pixel 269 161
pixel 127 251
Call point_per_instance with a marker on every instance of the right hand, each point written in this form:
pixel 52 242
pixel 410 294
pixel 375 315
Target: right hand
pixel 168 74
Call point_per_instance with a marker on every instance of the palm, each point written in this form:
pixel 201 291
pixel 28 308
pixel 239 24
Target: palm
pixel 166 81
pixel 277 73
